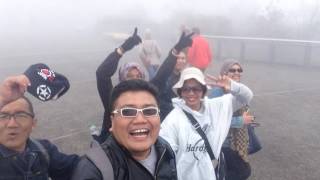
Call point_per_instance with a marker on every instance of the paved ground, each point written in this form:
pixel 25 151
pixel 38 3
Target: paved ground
pixel 286 103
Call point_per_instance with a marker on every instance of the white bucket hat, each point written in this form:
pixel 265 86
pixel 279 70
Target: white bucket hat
pixel 190 73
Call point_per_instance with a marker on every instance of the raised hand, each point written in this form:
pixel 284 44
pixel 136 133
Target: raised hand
pixel 221 81
pixel 131 41
pixel 13 88
pixel 247 118
pixel 184 41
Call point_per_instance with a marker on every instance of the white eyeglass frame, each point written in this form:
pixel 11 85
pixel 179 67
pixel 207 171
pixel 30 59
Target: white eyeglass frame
pixel 119 111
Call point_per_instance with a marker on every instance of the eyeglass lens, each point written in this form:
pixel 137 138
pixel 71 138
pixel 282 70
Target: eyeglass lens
pixel 234 70
pixel 132 112
pixel 17 116
pixel 195 89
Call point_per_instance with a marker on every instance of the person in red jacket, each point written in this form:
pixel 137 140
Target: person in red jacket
pixel 199 54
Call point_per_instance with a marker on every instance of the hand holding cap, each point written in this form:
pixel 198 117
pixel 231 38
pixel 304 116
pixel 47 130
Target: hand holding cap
pixel 46 84
pixel 12 88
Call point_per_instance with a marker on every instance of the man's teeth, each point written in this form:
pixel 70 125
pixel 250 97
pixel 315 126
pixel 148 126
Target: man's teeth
pixel 140 131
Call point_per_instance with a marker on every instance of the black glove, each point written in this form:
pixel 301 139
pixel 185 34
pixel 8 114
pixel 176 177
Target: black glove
pixel 184 41
pixel 131 41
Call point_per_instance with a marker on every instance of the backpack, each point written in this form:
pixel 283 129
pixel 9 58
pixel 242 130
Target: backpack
pixel 42 149
pixel 99 158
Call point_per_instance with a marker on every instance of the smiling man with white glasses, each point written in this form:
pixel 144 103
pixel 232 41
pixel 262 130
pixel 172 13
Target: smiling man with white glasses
pixel 134 150
pixel 22 157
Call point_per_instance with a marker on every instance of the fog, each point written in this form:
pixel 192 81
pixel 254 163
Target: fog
pixel 50 26
pixel 74 37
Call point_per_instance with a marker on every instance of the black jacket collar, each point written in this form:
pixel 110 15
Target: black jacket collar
pixel 30 147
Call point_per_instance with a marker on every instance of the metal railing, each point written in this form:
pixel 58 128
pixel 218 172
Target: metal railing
pixel 283 51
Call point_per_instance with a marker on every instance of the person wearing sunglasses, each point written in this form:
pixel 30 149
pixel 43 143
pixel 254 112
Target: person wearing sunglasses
pixel 235 148
pixel 22 157
pixel 134 148
pixel 164 79
pixel 213 115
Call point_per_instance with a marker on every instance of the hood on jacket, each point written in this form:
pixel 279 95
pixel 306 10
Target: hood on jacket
pixel 124 69
pixel 227 65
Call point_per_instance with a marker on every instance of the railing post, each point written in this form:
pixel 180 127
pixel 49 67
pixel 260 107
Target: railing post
pixel 271 43
pixel 307 54
pixel 217 50
pixel 242 51
pixel 272 52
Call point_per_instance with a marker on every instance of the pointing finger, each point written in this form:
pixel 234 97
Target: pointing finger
pixel 135 31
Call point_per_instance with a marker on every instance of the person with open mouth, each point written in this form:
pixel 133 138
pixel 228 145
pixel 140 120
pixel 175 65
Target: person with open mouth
pixel 134 149
pixel 213 116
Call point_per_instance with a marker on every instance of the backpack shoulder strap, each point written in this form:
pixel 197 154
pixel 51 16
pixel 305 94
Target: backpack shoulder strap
pixel 97 155
pixel 42 149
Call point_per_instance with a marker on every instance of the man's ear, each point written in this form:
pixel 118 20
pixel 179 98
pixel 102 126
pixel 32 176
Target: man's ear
pixel 34 122
pixel 111 117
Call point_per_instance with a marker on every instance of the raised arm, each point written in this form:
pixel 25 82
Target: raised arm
pixel 168 65
pixel 109 66
pixel 242 95
pixel 103 75
pixel 164 71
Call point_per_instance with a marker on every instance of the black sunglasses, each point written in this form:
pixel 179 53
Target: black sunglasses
pixel 234 70
pixel 133 112
pixel 195 89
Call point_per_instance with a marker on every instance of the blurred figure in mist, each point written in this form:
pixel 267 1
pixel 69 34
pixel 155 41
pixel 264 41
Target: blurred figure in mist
pixel 150 54
pixel 199 54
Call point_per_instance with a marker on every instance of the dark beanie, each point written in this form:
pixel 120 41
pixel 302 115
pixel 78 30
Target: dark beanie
pixel 45 83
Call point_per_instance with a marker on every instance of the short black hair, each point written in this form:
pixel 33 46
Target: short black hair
pixel 132 85
pixel 29 104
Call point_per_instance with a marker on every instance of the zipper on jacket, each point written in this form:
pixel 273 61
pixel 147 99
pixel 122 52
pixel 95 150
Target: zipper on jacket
pixel 157 168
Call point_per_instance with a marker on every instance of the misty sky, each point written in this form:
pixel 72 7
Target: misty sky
pixel 18 16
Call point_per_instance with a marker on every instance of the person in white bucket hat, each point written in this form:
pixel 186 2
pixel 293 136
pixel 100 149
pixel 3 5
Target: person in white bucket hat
pixel 190 73
pixel 213 115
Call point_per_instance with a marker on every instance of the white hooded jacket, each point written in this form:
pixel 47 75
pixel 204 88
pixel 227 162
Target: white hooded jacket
pixel 193 162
